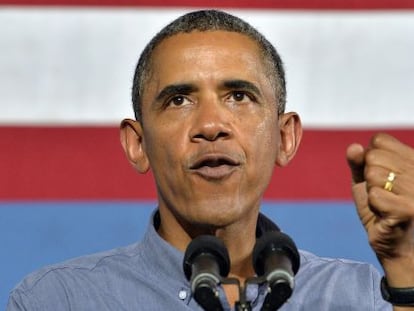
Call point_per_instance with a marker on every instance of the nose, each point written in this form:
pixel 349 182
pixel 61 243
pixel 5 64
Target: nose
pixel 212 121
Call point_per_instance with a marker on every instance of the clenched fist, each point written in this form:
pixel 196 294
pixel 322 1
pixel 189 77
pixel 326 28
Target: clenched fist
pixel 383 190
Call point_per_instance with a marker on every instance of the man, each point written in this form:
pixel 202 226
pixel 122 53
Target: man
pixel 209 98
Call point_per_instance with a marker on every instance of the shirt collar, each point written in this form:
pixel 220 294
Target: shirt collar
pixel 169 259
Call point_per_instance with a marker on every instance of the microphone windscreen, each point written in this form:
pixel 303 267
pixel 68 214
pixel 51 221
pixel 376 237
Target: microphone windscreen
pixel 274 242
pixel 208 245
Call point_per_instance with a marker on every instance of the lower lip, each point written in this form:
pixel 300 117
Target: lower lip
pixel 217 173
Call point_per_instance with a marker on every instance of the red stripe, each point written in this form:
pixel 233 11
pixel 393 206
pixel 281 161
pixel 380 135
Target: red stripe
pixel 260 4
pixel 41 163
pixel 319 170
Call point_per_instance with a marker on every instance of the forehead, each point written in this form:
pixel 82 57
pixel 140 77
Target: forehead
pixel 210 37
pixel 216 52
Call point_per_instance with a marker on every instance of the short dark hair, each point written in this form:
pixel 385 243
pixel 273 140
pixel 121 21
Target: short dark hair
pixel 208 20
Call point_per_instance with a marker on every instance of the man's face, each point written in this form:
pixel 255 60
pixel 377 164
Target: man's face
pixel 210 127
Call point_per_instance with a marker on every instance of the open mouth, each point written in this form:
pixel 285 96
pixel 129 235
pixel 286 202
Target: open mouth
pixel 214 161
pixel 215 167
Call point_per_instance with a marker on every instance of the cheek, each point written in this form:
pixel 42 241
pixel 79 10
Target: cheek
pixel 163 147
pixel 261 156
pixel 265 140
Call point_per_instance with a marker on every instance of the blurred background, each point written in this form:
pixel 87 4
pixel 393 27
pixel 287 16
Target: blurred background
pixel 66 70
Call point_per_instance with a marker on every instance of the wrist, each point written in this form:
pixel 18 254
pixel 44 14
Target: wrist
pixel 399 272
pixel 397 296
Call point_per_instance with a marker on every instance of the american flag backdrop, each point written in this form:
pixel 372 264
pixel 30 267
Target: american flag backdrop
pixel 66 68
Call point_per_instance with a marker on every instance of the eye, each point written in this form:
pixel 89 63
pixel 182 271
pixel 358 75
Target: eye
pixel 241 96
pixel 178 100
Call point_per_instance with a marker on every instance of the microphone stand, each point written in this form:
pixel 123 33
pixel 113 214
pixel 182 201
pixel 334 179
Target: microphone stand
pixel 274 299
pixel 242 304
pixel 275 260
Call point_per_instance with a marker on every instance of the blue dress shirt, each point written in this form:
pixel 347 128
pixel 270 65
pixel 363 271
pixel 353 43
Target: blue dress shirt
pixel 148 275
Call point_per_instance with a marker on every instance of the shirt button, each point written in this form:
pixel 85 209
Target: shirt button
pixel 182 294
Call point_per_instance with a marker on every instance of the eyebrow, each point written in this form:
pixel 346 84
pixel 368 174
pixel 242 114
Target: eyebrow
pixel 187 88
pixel 241 85
pixel 173 89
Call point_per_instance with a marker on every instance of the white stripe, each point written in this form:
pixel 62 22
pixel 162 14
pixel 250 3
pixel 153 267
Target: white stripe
pixel 75 65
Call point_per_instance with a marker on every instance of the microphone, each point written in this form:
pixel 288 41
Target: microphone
pixel 206 261
pixel 277 260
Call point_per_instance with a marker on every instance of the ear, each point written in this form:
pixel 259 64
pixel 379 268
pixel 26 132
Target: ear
pixel 290 136
pixel 132 141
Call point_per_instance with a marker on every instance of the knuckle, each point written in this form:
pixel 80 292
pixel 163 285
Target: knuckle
pixel 378 139
pixel 374 197
pixel 370 156
pixel 408 206
pixel 370 174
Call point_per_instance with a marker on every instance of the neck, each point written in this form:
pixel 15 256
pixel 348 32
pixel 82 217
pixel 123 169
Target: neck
pixel 239 238
pixel 240 246
pixel 239 242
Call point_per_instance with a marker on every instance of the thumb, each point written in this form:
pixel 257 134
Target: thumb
pixel 355 155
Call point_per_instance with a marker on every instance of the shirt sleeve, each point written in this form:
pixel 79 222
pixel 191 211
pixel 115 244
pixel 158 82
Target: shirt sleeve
pixel 379 303
pixel 19 301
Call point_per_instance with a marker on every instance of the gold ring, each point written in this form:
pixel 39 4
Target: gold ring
pixel 390 181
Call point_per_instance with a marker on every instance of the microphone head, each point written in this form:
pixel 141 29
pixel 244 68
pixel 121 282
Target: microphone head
pixel 274 242
pixel 207 245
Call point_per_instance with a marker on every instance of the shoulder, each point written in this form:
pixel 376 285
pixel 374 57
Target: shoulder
pixel 58 282
pixel 312 261
pixel 335 283
pixel 83 264
pixel 337 269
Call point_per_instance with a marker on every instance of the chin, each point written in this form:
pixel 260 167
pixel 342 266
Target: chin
pixel 217 215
